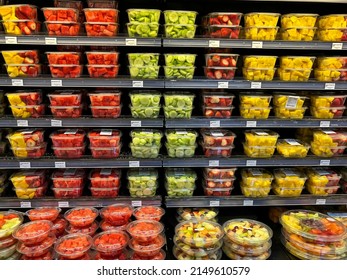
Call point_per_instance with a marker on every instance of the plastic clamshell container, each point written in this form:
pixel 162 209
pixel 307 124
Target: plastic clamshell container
pixel 322 177
pixel 261 137
pixel 289 101
pixel 105 98
pixel 23 70
pixel 38 250
pixel 256 191
pixel 43 213
pixel 104 226
pixel 145 98
pixel 322 191
pixel 149 213
pixel 24 98
pixel 217 191
pixel 292 148
pixel 144 30
pixel 256 177
pixel 327 112
pixel 21 27
pixel 286 191
pixel 105 152
pixel 144 72
pixel 179 192
pixel 224 31
pixel 219 183
pixel 26 138
pixel 29 193
pixel 171 112
pixel 143 15
pixel 179 99
pixel 69 152
pixel 181 137
pixel 103 71
pixel 102 58
pixel 68 138
pixel 298 20
pixel 332 34
pixel 28 179
pixel 32 152
pixel 284 113
pixel 297 62
pixel 66 71
pixel 75 192
pixel 255 100
pixel 145 231
pixel 218 112
pixel 255 112
pixel 215 151
pixel 143 59
pixel 259 151
pixel 58 28
pixel 179 72
pixel 217 100
pixel 224 18
pixel 60 14
pixel 329 100
pixel 101 15
pixel 145 151
pixel 327 151
pixel 332 62
pixel 106 111
pixel 180 59
pixel 217 73
pixel 259 61
pixel 21 57
pixel 81 216
pixel 218 137
pixel 65 99
pixel 101 29
pixel 13 220
pixel 180 151
pixel 330 75
pixel 180 30
pixel 294 75
pixel 116 214
pixel 261 19
pixel 290 178
pixel 63 58
pixel 33 233
pixel 298 33
pixel 146 137
pixel 30 111
pixel 73 246
pixel 180 16
pixel 147 250
pixel 259 74
pixel 219 173
pixel 261 33
pixel 105 178
pixel 104 138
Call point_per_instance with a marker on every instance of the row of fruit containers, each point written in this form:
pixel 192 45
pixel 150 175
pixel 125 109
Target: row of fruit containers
pixel 67 21
pixel 177 105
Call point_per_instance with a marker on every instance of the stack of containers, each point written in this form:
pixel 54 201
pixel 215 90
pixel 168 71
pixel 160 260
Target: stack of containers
pixel 219 181
pixel 115 216
pixel 105 103
pixel 27 143
pixel 292 148
pixel 35 240
pixel 260 143
pixel 180 143
pixel 288 182
pixel 179 66
pixel 180 181
pixel 328 142
pixel 332 28
pixel 101 22
pixel 29 184
pixel 295 68
pixel 142 182
pixel 255 105
pixel 298 27
pixel 220 66
pixel 62 21
pixel 322 181
pixel 145 143
pixel 289 106
pixel 261 26
pixel 3 182
pixel 145 104
pixel 310 235
pixel 143 23
pixel 180 24
pixel 65 64
pixel 178 105
pixel 22 63
pixel 217 142
pixel 198 239
pixel 331 69
pixel 82 220
pixel 105 143
pixel 68 143
pixel 217 105
pixel 223 25
pixel 66 103
pixel 26 104
pixel 110 245
pixel 254 245
pixel 144 65
pixel 103 64
pixel 73 246
pixel 256 182
pixel 68 183
pixel 328 106
pixel 259 67
pixel 105 183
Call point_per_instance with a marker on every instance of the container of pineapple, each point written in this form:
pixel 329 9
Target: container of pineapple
pixel 260 143
pixel 259 67
pixel 332 28
pixel 289 105
pixel 261 26
pixel 292 148
pixel 328 142
pixel 329 106
pixel 256 182
pixel 255 105
pixel 298 27
pixel 295 68
pixel 288 182
pixel 322 181
pixel 330 69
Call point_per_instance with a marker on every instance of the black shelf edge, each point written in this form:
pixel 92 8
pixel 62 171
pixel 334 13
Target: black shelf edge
pixel 13 202
pixel 239 200
pixel 242 161
pixel 234 122
pixel 81 122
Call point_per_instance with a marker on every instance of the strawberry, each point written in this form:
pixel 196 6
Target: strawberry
pixel 26 30
pixel 31 25
pixel 224 63
pixel 225 19
pixel 216 59
pixel 28 60
pixel 218 114
pixel 218 74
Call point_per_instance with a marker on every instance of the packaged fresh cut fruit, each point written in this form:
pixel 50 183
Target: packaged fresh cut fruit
pixel 182 72
pixel 144 151
pixel 149 213
pixel 73 246
pixel 330 75
pixel 116 214
pixel 258 74
pixel 180 151
pixel 218 137
pixel 290 178
pixel 65 99
pixel 292 148
pixel 288 101
pixel 255 100
pixel 145 231
pixel 63 58
pixel 145 98
pixel 298 33
pixel 142 182
pixel 147 250
pixel 68 178
pixel 65 71
pixel 43 213
pixel 140 29
pixel 256 178
pixel 192 251
pixel 28 179
pixel 105 98
pixel 261 19
pixel 112 4
pixel 180 17
pixel 261 137
pixel 60 14
pixel 68 138
pixel 104 138
pixel 179 178
pixel 224 31
pixel 146 137
pixel 179 60
pixel 332 62
pixel 180 30
pixel 142 112
pixel 32 152
pixel 259 151
pixel 261 33
pixel 223 151
pixel 217 112
pixel 255 112
pixel 224 18
pixel 284 113
pixel 144 15
pixel 322 177
pixel 143 59
pixel 23 11
pixel 23 70
pixel 179 137
pixel 21 57
pixel 58 28
pixel 226 73
pixel 144 72
pixel 102 58
pixel 298 20
pixel 254 191
pixel 181 255
pixel 218 100
pixel 219 173
pixel 26 138
pixel 33 233
pixel 197 213
pixel 64 152
pixel 81 216
pixel 259 61
pixel 103 71
pixel 179 99
pixel 110 243
pixel 332 34
pixel 327 112
pixel 105 178
pixel 9 221
pixel 66 111
pixel 101 15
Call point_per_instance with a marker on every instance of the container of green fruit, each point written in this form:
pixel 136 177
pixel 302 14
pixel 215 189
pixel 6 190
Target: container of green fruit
pixel 142 182
pixel 179 99
pixel 172 59
pixel 180 151
pixel 144 30
pixel 180 181
pixel 180 31
pixel 145 112
pixel 144 72
pixel 181 72
pixel 180 137
pixel 145 98
pixel 180 17
pixel 171 112
pixel 144 151
pixel 178 192
pixel 144 15
pixel 143 59
pixel 146 137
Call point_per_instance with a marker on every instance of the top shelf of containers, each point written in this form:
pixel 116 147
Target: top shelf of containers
pixel 69 23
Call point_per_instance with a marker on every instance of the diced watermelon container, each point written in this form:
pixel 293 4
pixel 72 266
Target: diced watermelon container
pixel 74 192
pixel 66 111
pixel 105 178
pixel 68 138
pixel 60 14
pixel 67 152
pixel 69 178
pixel 106 152
pixel 106 111
pixel 101 15
pixel 112 4
pixel 101 29
pixel 57 28
pixel 104 192
pixel 66 71
pixel 68 98
pixel 224 31
pixel 63 58
pixel 105 98
pixel 103 71
pixel 103 138
pixel 102 58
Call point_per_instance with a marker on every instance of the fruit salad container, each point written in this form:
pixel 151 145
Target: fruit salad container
pixel 22 11
pixel 234 256
pixel 104 29
pixel 145 112
pixel 217 112
pixel 112 4
pixel 181 255
pixel 298 20
pixel 180 30
pixel 26 138
pixel 65 99
pixel 179 137
pixel 258 151
pixel 322 191
pixel 66 71
pixel 143 59
pixel 180 151
pixel 32 152
pixel 69 152
pixel 297 62
pixel 105 98
pixel 29 193
pixel 218 100
pixel 142 182
pixel 63 58
pixel 322 177
pixel 103 71
pixel 187 192
pixel 255 112
pixel 224 31
pixel 217 73
pixel 327 112
pixel 143 15
pixel 146 137
pixel 101 15
pixel 110 243
pixel 259 61
pixel 259 74
pixel 255 101
pixel 289 178
pixel 180 17
pixel 246 251
pixel 140 29
pixel 298 33
pixel 23 70
pixel 105 178
pixel 218 137
pixel 215 151
pixel 37 251
pixel 73 246
pixel 57 28
pixel 256 178
pixel 261 137
pixel 21 27
pixel 106 111
pixel 102 138
pixel 330 75
pixel 116 214
pixel 292 148
pixel 284 113
pixel 337 62
pixel 219 183
pixel 288 101
pixel 254 191
pixel 33 233
pixel 29 111
pixel 144 151
pixel 179 99
pixel 144 72
pixel 104 192
pixel 43 213
pixel 145 98
pixel 181 72
pixel 261 19
pixel 224 18
pixel 286 191
pixel 197 213
pixel 147 251
pixel 10 221
pixel 90 230
pixel 180 60
pixel 28 179
pixel 172 112
pixel 7 252
pixel 261 33
pixel 81 216
pixel 332 34
pixel 219 173
pixel 145 231
pixel 149 213
pixel 68 138
pixel 102 58
pixel 60 14
pixel 21 57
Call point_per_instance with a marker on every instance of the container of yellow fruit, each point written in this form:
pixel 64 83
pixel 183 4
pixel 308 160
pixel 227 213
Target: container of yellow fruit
pixel 294 75
pixel 297 62
pixel 23 70
pixel 290 178
pixel 286 192
pixel 292 148
pixel 290 113
pixel 254 191
pixel 327 112
pixel 261 33
pixel 255 100
pixel 259 61
pixel 326 151
pixel 322 177
pixel 261 137
pixel 298 20
pixel 286 100
pixel 322 191
pixel 256 178
pixel 338 62
pixel 330 75
pixel 29 193
pixel 298 33
pixel 328 100
pixel 261 19
pixel 332 34
pixel 258 74
pixel 255 112
pixel 332 21
pixel 328 143
pixel 259 151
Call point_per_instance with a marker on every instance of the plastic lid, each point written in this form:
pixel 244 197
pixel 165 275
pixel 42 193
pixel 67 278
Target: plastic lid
pixel 144 228
pixel 292 142
pixel 261 133
pixel 289 172
pixel 110 241
pixel 67 133
pixel 43 213
pixel 196 252
pixel 32 231
pixel 197 213
pixel 247 251
pixel 259 173
pixel 149 213
pixel 81 216
pixel 181 172
pixel 73 245
pixel 147 248
pixel 323 172
pixel 66 174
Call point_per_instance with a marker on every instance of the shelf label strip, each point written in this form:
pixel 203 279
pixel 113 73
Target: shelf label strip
pixel 136 203
pixel 248 202
pixel 25 204
pixel 214 203
pixel 63 204
pixel 17 82
pixel 25 164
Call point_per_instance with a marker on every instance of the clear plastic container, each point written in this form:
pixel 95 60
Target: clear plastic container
pixel 286 191
pixel 219 173
pixel 256 177
pixel 147 250
pixel 69 4
pixel 259 61
pixel 298 20
pixel 13 220
pixel 66 71
pixel 322 177
pixel 179 192
pixel 322 191
pixel 327 151
pixel 261 137
pixel 179 99
pixel 7 242
pixel 180 60
pixel 28 179
pixel 63 58
pixel 215 151
pixel 217 112
pixel 145 98
pixel 250 100
pixel 217 73
pixel 23 70
pixel 145 231
pixel 181 72
pixel 10 11
pixel 81 216
pixel 160 256
pixel 143 59
pixel 335 100
pixel 37 250
pixel 259 151
pixel 330 75
pixel 218 137
pixel 290 178
pixel 261 33
pixel 144 151
pixel 146 137
pixel 43 213
pixel 259 74
pixel 105 98
pixel 219 183
pixel 294 75
pixel 90 230
pixel 33 152
pixel 149 213
pixel 197 213
pixel 297 62
pixel 110 243
pixel 180 255
pixel 180 17
pixel 65 99
pixel 102 58
pixel 30 111
pixel 224 18
pixel 67 192
pixel 21 27
pixel 288 101
pixel 73 246
pixel 101 15
pixel 104 192
pixel 171 112
pixel 145 30
pixel 298 33
pixel 105 178
pixel 26 138
pixel 103 71
pixel 256 191
pixel 106 111
pixel 332 34
pixel 246 251
pixel 234 256
pixel 261 19
pixel 224 31
pixel 327 112
pixel 105 152
pixel 60 14
pixel 116 214
pixel 143 15
pixel 68 138
pixel 33 233
pixel 29 193
pixel 292 148
pixel 255 112
pixel 69 152
pixel 7 252
pixel 217 191
pixel 104 138
pixel 58 28
pixel 179 137
pixel 218 100
pixel 145 112
pixel 332 62
pixel 284 113
pixel 142 182
pixel 104 226
pixel 101 29
pixel 24 98
pixel 332 20
pixel 112 4
pixel 66 111
pixel 180 151
pixel 180 178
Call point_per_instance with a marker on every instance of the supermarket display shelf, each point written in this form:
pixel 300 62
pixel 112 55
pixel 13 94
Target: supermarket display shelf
pixel 251 44
pixel 13 202
pixel 240 200
pixel 81 122
pixel 85 162
pixel 79 40
pixel 203 122
pixel 242 161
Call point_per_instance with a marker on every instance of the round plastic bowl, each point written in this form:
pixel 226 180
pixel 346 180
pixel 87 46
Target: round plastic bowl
pixel 12 220
pixel 110 243
pixel 81 216
pixel 149 213
pixel 73 246
pixel 149 250
pixel 197 252
pixel 43 213
pixel 90 230
pixel 116 214
pixel 145 231
pixel 33 233
pixel 37 250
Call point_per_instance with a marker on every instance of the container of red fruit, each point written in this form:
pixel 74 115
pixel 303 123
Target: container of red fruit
pixel 101 15
pixel 217 112
pixel 60 14
pixel 218 100
pixel 68 178
pixel 224 31
pixel 67 192
pixel 104 225
pixel 217 191
pixel 90 230
pixel 26 138
pixel 19 98
pixel 219 183
pixel 49 255
pixel 73 246
pixel 219 173
pixel 221 59
pixel 67 152
pixel 145 231
pixel 23 70
pixel 68 138
pixel 147 250
pixel 124 255
pixel 149 213
pixel 110 243
pixel 224 18
pixel 63 58
pixel 26 152
pixel 40 249
pixel 103 71
pixel 104 29
pixel 22 11
pixel 7 242
pixel 21 27
pixel 30 111
pixel 213 151
pixel 105 98
pixel 104 192
pixel 81 216
pixel 21 56
pixel 58 28
pixel 116 214
pixel 85 257
pixel 104 138
pixel 59 226
pixel 43 213
pixel 66 111
pixel 65 99
pixel 33 233
pixel 105 178
pixel 105 152
pixel 218 73
pixel 66 71
pixel 102 58
pixel 30 179
pixel 218 138
pixel 160 256
pixel 106 111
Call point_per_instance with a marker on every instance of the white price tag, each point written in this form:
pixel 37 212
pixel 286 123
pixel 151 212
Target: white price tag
pixel 251 163
pixel 321 201
pixel 214 203
pixel 106 132
pixel 213 43
pixel 71 132
pixel 63 204
pixel 292 102
pixel 25 164
pixel 137 84
pixel 329 86
pixel 50 41
pixel 223 85
pixel 248 202
pixel 11 40
pixel 134 163
pixel 214 163
pixel 136 203
pixel 324 162
pixel 56 83
pixel 214 123
pixel 17 82
pixel 257 45
pixel 255 85
pixel 106 171
pixel 135 124
pixel 324 124
pixel 337 46
pixel 56 123
pixel 22 123
pixel 292 142
pixel 251 123
pixel 60 164
pixel 131 42
pixel 25 204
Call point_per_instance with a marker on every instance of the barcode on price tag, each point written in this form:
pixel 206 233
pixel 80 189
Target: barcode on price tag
pixel 135 123
pixel 337 46
pixel 251 163
pixel 60 164
pixel 223 85
pixel 324 124
pixel 256 85
pixel 329 86
pixel 17 82
pixel 257 45
pixel 214 203
pixel 137 84
pixel 321 201
pixel 324 162
pixel 50 41
pixel 25 165
pixel 251 123
pixel 213 43
pixel 11 40
pixel 213 163
pixel 131 42
pixel 214 123
pixel 25 204
pixel 63 204
pixel 56 123
pixel 134 163
pixel 248 202
pixel 22 123
pixel 136 203
pixel 56 83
